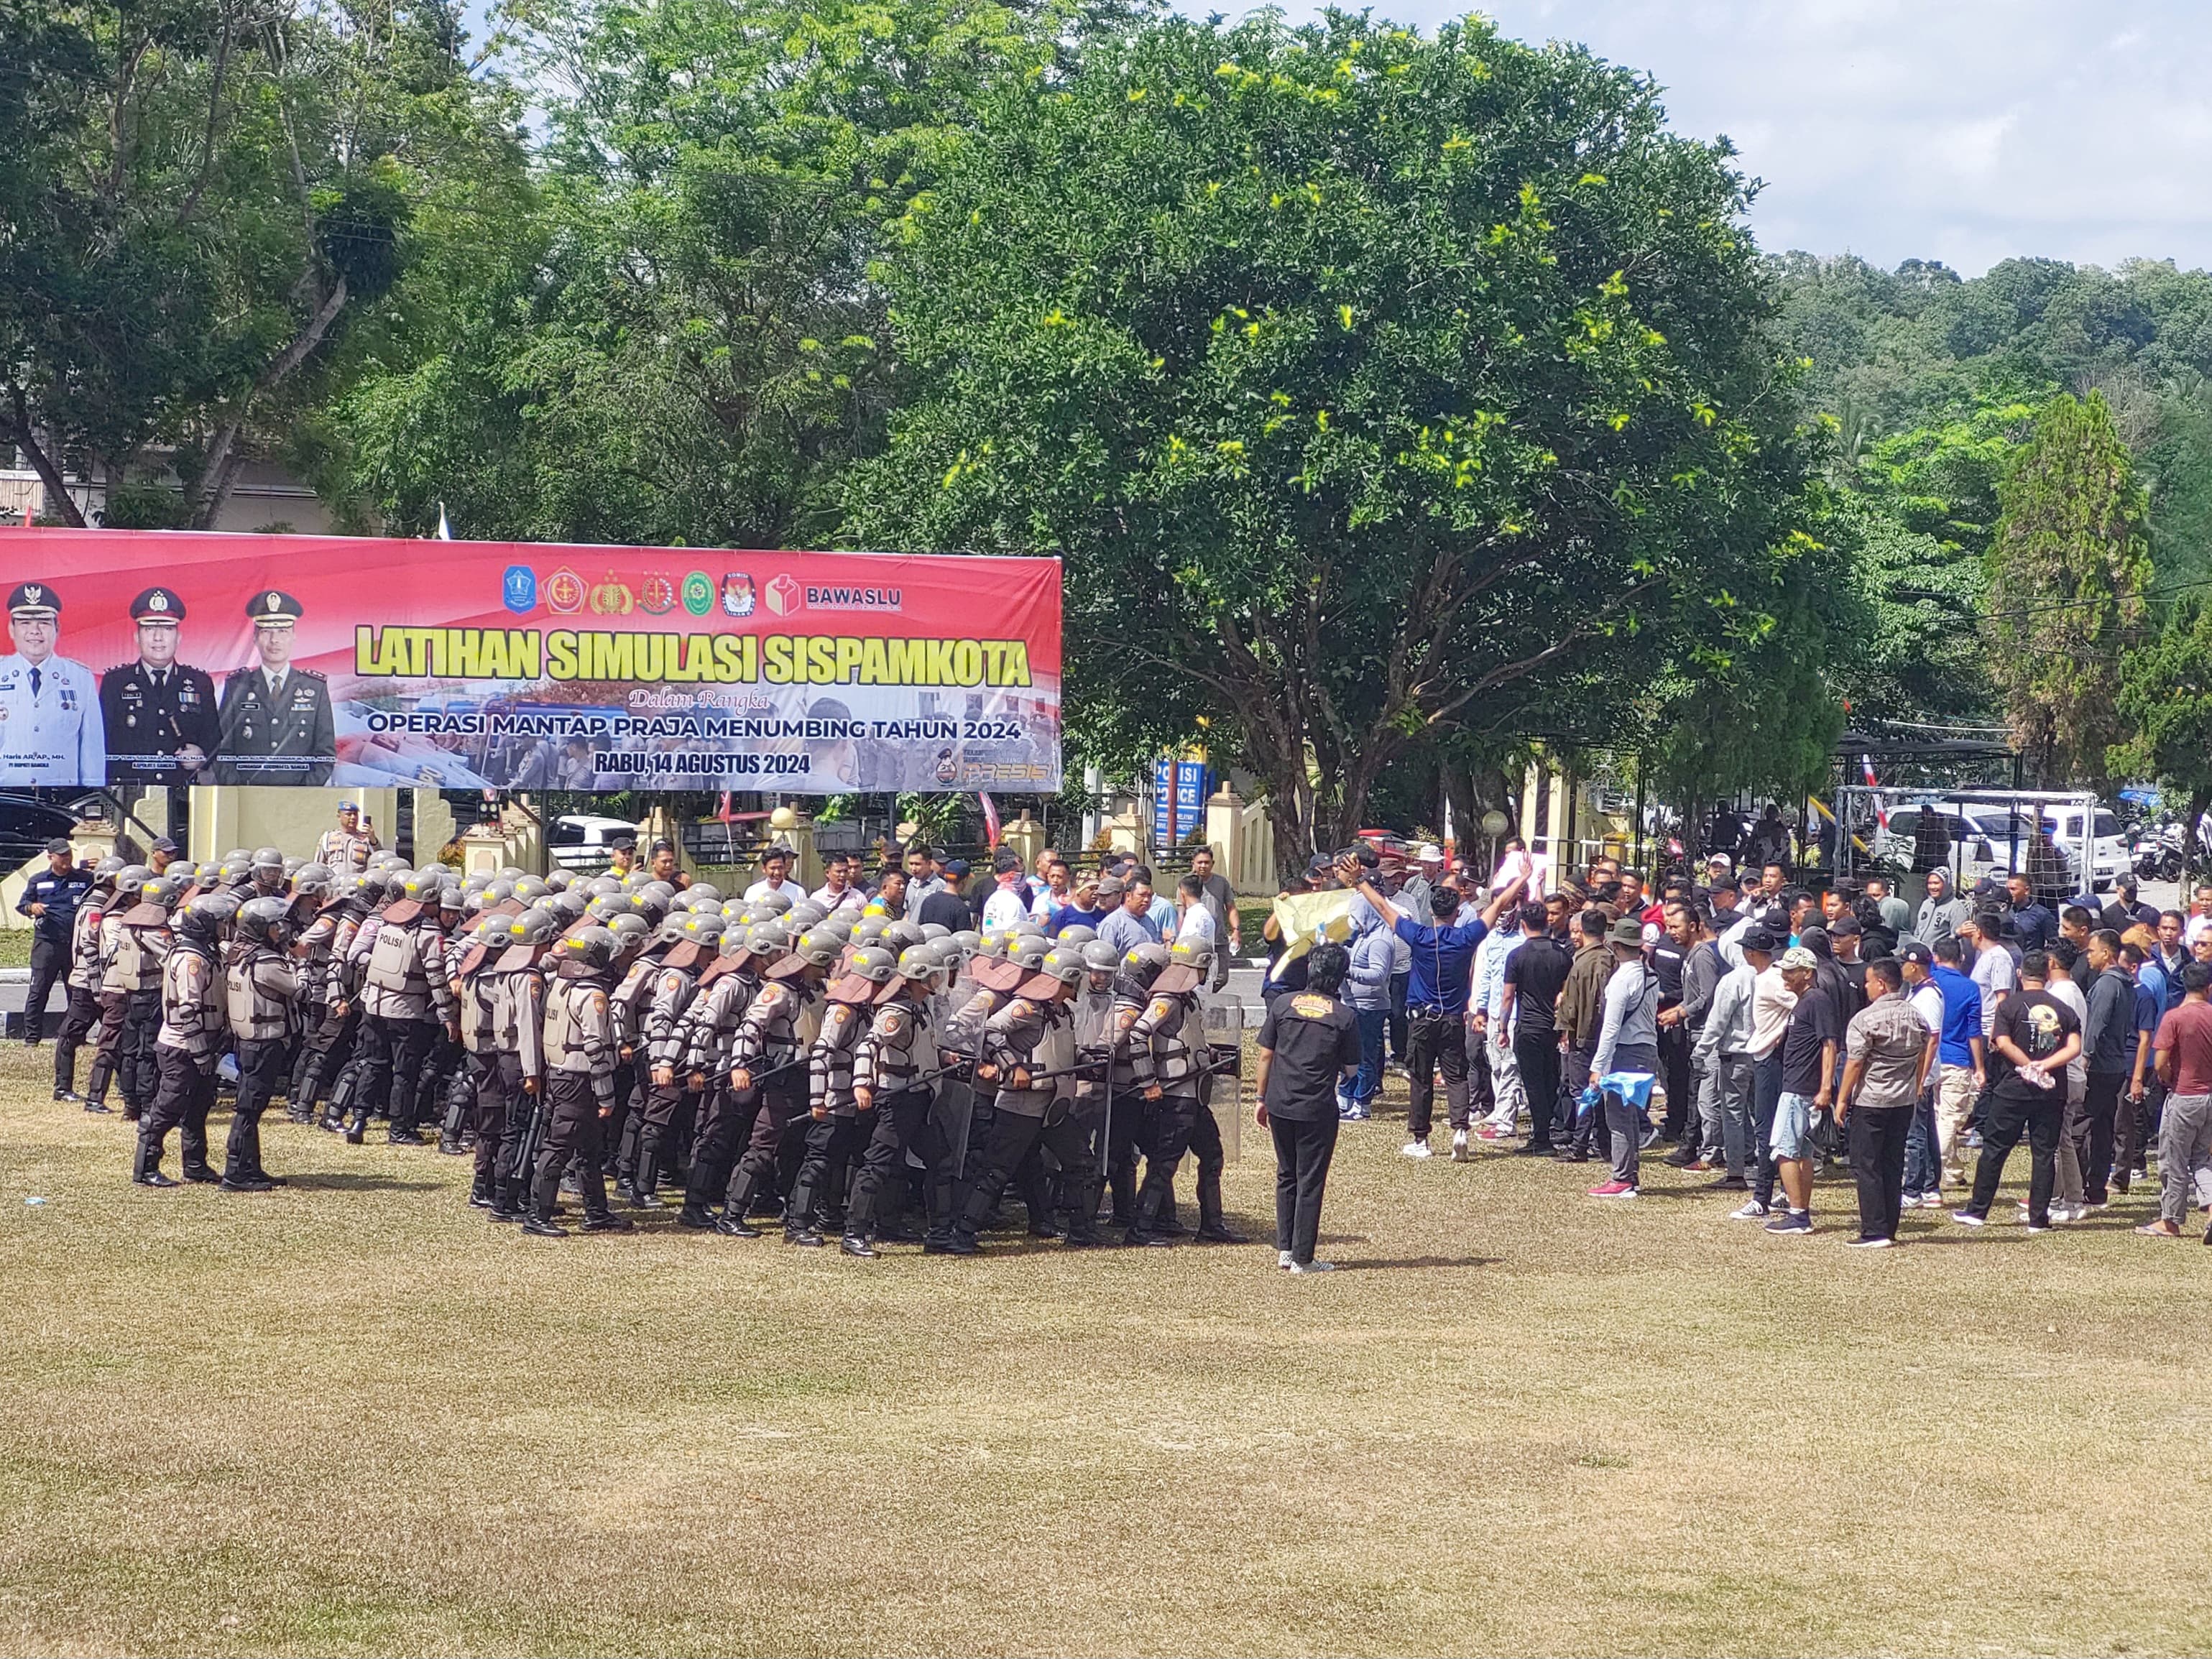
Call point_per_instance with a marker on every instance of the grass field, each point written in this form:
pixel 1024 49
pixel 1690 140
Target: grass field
pixel 354 1416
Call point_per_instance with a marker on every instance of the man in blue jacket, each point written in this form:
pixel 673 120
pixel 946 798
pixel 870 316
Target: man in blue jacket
pixel 1436 997
pixel 50 900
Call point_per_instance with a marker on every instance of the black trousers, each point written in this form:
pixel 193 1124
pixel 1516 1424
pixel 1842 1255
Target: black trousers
pixel 2100 1107
pixel 522 1138
pixel 49 966
pixel 831 1143
pixel 1302 1152
pixel 572 1132
pixel 179 1103
pixel 498 1079
pixel 776 1148
pixel 1125 1141
pixel 260 1069
pixel 77 1024
pixel 393 1052
pixel 1436 1042
pixel 107 1049
pixel 1877 1142
pixel 328 1048
pixel 1012 1139
pixel 724 1124
pixel 669 1112
pixel 1681 1120
pixel 1537 1055
pixel 1170 1126
pixel 2009 1119
pixel 139 1066
pixel 904 1122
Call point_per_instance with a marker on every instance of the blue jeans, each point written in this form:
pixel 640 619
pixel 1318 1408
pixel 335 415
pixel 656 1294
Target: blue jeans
pixel 1921 1165
pixel 1369 1082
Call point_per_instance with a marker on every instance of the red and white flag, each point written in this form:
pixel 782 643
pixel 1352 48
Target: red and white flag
pixel 990 820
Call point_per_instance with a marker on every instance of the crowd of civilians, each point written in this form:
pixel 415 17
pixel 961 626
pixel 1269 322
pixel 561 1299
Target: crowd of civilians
pixel 1784 1028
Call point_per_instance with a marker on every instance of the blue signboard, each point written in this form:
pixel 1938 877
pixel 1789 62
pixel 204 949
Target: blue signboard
pixel 1178 800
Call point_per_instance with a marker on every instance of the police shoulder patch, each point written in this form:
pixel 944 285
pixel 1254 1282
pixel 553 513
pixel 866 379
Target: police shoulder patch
pixel 1162 1007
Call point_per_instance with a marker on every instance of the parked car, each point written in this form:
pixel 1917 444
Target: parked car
pixel 27 824
pixel 1978 839
pixel 579 841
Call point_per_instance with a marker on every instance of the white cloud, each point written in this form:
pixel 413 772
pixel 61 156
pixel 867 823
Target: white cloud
pixel 1964 130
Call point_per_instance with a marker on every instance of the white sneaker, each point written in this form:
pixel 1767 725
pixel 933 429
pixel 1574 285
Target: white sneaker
pixel 1459 1146
pixel 1754 1210
pixel 1282 1258
pixel 1415 1149
pixel 1313 1267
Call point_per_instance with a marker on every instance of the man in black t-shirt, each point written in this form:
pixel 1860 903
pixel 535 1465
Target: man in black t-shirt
pixel 1307 1044
pixel 2039 1035
pixel 1532 975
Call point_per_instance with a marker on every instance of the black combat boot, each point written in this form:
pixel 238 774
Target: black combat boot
pixel 1212 1228
pixel 733 1223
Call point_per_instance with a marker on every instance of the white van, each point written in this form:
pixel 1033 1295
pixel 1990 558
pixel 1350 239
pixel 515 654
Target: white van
pixel 582 842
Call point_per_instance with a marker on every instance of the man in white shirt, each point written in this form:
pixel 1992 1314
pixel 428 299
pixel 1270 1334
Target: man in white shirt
pixel 837 892
pixel 775 877
pixel 51 730
pixel 1004 909
pixel 1194 916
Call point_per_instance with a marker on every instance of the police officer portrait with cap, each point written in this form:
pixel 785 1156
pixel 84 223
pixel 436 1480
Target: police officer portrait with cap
pixel 159 714
pixel 277 721
pixel 48 731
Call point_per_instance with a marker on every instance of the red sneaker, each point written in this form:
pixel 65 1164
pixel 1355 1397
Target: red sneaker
pixel 1614 1189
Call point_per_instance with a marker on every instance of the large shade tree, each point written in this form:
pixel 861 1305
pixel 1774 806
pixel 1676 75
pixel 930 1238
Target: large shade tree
pixel 1371 386
pixel 204 208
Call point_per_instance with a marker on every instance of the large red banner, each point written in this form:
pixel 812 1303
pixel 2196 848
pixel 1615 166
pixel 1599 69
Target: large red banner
pixel 174 657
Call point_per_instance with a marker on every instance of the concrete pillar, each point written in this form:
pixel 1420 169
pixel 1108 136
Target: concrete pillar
pixel 1024 836
pixel 788 825
pixel 433 825
pixel 1224 820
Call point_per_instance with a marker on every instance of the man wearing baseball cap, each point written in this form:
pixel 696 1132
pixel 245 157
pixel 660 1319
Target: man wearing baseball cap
pixel 159 714
pixel 348 846
pixel 276 718
pixel 49 706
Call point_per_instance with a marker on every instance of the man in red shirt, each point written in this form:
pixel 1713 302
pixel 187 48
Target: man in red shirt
pixel 2184 1066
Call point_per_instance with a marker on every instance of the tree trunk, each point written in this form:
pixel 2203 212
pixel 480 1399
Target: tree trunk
pixel 2192 860
pixel 224 458
pixel 59 501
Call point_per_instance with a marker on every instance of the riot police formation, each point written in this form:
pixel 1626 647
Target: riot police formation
pixel 828 1076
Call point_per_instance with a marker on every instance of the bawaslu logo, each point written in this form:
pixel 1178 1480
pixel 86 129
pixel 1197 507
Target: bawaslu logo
pixel 851 598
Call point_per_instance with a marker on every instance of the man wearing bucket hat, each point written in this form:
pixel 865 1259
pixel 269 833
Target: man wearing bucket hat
pixel 1627 1046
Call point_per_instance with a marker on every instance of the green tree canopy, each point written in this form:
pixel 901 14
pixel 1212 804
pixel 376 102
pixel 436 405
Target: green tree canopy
pixel 2068 571
pixel 1368 384
pixel 201 200
pixel 684 344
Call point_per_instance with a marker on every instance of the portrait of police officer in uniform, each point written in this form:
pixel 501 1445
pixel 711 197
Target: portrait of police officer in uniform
pixel 49 707
pixel 160 714
pixel 276 718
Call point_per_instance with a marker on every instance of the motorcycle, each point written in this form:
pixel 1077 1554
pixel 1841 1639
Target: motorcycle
pixel 2157 852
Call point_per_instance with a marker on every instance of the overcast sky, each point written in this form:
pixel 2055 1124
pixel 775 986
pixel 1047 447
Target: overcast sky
pixel 1964 130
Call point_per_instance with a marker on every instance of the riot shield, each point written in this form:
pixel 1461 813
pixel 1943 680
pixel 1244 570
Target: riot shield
pixel 1224 1061
pixel 952 1110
